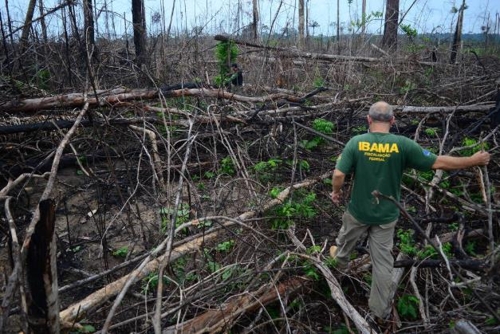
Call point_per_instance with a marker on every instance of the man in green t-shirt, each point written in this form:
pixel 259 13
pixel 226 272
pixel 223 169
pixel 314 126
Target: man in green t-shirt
pixel 377 160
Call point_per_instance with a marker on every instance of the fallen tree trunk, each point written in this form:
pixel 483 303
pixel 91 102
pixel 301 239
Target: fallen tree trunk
pixel 299 54
pixel 77 100
pixel 119 96
pixel 222 319
pixel 444 109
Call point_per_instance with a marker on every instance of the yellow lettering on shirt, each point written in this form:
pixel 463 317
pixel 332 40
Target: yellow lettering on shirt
pixel 365 146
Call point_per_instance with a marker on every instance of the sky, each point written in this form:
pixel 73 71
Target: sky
pixel 424 15
pixel 229 16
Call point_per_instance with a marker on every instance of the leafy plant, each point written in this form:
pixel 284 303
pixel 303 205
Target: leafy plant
pixel 470 247
pixel 408 30
pixel 311 271
pixel 406 243
pixel 121 252
pixel 429 252
pixel 368 278
pixel 473 146
pixel 150 282
pixel 86 328
pixel 408 306
pixel 408 86
pixel 313 249
pixel 226 53
pixel 275 192
pixel 297 207
pixel 225 246
pixel 491 321
pixel 227 166
pixel 425 175
pixel 304 165
pixel 318 82
pixel 182 215
pixel 209 174
pixel 357 24
pixel 42 79
pixel 322 126
pixel 266 169
pixel 325 127
pixel 431 132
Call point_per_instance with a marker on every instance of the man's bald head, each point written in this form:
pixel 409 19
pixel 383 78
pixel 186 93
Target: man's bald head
pixel 381 112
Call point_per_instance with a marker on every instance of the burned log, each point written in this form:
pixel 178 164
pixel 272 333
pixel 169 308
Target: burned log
pixel 469 264
pixel 43 311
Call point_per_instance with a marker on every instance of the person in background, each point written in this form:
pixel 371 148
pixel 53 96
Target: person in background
pixel 377 159
pixel 236 78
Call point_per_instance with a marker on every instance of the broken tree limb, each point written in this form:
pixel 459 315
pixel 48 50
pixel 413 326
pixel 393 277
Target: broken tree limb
pixel 218 320
pixel 335 288
pixel 463 326
pixel 15 277
pixel 338 295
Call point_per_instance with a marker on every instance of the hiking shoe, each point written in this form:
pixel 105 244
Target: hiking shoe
pixel 333 252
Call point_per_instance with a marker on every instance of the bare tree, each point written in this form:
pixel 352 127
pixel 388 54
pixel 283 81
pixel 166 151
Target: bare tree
pixel 139 24
pixel 390 38
pixel 457 38
pixel 301 23
pixel 42 22
pixel 363 18
pixel 89 34
pixel 27 24
pixel 255 22
pixel 338 25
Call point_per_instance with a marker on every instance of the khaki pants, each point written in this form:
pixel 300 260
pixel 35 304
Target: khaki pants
pixel 380 242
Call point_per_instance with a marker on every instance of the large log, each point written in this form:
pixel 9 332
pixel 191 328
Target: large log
pixel 119 96
pixel 444 109
pixel 295 53
pixel 77 100
pixel 222 318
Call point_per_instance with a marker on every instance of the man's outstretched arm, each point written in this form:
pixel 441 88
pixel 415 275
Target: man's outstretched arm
pixel 447 162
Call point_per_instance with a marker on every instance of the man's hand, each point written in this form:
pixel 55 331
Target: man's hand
pixel 482 158
pixel 336 196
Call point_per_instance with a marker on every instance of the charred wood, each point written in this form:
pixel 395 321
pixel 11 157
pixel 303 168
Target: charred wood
pixel 475 265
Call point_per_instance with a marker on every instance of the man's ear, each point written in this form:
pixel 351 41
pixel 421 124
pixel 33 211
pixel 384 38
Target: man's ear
pixel 393 120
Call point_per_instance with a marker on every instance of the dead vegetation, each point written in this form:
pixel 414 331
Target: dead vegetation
pixel 224 196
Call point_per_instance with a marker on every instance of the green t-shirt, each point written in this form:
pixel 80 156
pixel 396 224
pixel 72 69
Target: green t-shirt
pixel 378 161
